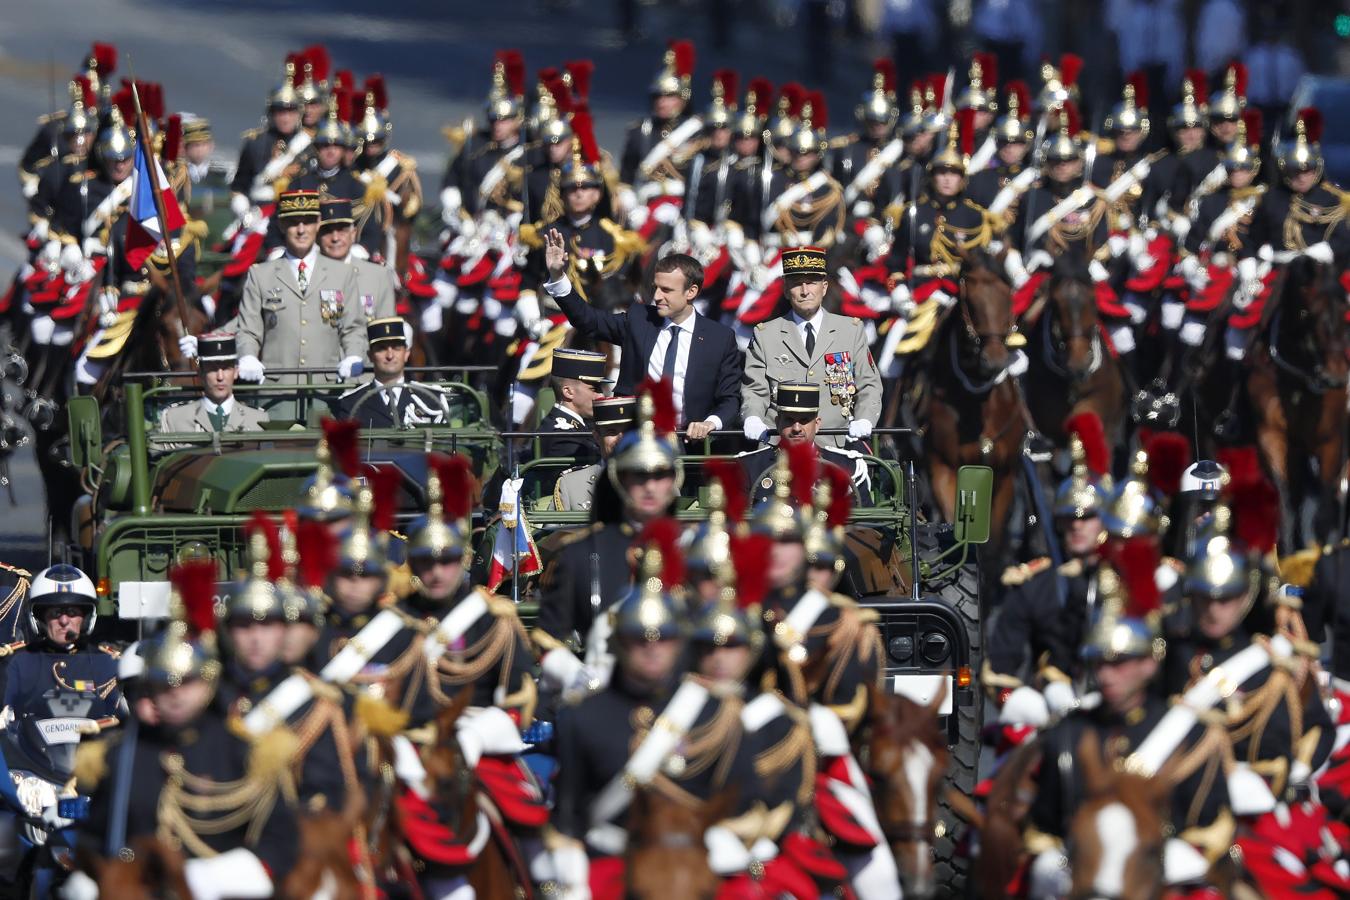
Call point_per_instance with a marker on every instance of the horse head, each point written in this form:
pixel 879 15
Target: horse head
pixel 1316 334
pixel 1116 836
pixel 986 313
pixel 1074 329
pixel 666 855
pixel 906 759
pixel 450 776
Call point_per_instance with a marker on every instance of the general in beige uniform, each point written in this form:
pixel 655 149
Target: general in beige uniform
pixel 318 326
pixel 839 361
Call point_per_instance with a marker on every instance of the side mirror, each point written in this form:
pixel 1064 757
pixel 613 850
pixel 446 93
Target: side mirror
pixel 974 497
pixel 86 431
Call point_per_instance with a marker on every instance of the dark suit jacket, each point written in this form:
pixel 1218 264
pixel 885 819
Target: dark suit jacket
pixel 370 411
pixel 712 382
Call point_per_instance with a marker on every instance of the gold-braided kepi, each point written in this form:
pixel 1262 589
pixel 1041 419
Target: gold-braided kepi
pixel 809 261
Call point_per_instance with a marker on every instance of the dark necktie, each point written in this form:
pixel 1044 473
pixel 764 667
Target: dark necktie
pixel 218 418
pixel 810 340
pixel 391 395
pixel 672 349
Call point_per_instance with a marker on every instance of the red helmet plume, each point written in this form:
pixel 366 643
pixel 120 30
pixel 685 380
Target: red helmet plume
pixel 1312 123
pixel 664 536
pixel 965 125
pixel 802 461
pixel 1256 513
pixel 762 88
pixel 343 78
pixel 795 95
pixel 375 85
pixel 345 106
pixel 458 486
pixel 320 63
pixel 1136 561
pixel 1139 81
pixel 173 137
pixel 1199 84
pixel 937 83
pixel 318 551
pixel 385 482
pixel 1239 71
pixel 664 417
pixel 1070 64
pixel 730 82
pixel 684 58
pixel 105 59
pixel 582 71
pixel 88 96
pixel 731 476
pixel 1242 464
pixel 342 437
pixel 584 129
pixel 1088 427
pixel 1169 454
pixel 262 523
pixel 988 69
pixel 195 582
pixel 820 113
pixel 750 558
pixel 1022 92
pixel 885 67
pixel 1253 122
pixel 841 495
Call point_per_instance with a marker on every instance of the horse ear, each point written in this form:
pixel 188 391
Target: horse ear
pixel 1096 779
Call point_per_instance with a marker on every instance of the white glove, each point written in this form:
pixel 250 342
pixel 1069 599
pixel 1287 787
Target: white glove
pixel 1059 697
pixel 755 429
pixel 35 795
pixel 78 886
pixel 1016 269
pixel 451 202
pixel 432 318
pixel 859 429
pixel 41 328
pixel 41 228
pixel 1098 272
pixel 92 246
pixel 235 873
pixel 1039 259
pixel 239 205
pixel 540 328
pixel 187 345
pixel 1321 252
pixel 902 301
pixel 572 869
pixel 107 307
pixel 208 305
pixel 487 730
pixel 1138 246
pixel 1118 244
pixel 250 369
pixel 874 241
pixel 350 367
pixel 52 818
pixel 862 209
pixel 527 309
pixel 1143 262
pixel 666 214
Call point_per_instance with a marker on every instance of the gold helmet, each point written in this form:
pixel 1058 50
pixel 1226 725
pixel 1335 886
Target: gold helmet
pixel 790 101
pixel 1192 111
pixel 722 111
pixel 709 547
pixel 1131 113
pixel 651 447
pixel 785 516
pixel 326 495
pixel 830 505
pixel 981 92
pixel 375 124
pixel 1132 509
pixel 809 136
pixel 584 167
pixel 116 141
pixel 754 113
pixel 1129 604
pixel 653 608
pixel 265 593
pixel 334 128
pixel 677 71
pixel 1244 153
pixel 878 103
pixel 954 154
pixel 733 619
pixel 506 98
pixel 1065 145
pixel 1060 83
pixel 1228 106
pixel 1014 126
pixel 311 66
pixel 363 547
pixel 82 117
pixel 285 96
pixel 1304 152
pixel 442 534
pixel 186 648
pixel 1084 493
pixel 936 117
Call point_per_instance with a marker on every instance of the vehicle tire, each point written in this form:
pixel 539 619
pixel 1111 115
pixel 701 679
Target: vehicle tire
pixel 961 591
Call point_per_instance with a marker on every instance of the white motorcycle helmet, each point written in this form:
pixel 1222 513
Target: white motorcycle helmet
pixel 61 585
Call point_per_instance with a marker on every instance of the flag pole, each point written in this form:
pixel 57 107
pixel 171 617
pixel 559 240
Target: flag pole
pixel 157 189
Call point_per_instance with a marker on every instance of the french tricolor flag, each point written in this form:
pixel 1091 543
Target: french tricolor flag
pixel 513 540
pixel 143 230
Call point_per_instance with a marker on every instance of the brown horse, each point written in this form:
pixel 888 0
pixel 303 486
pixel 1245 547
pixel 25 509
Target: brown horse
pixel 152 871
pixel 1297 381
pixel 1001 822
pixel 1071 367
pixel 906 758
pixel 666 856
pixel 1116 836
pixel 976 415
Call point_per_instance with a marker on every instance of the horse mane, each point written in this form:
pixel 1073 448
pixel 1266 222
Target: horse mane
pixel 1070 266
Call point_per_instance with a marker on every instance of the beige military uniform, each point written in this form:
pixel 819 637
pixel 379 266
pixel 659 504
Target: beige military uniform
pixel 375 288
pixel 842 365
pixel 575 488
pixel 314 330
pixel 193 417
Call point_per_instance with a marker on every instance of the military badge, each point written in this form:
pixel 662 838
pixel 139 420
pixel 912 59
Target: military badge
pixel 562 423
pixel 368 304
pixel 783 359
pixel 330 306
pixel 840 382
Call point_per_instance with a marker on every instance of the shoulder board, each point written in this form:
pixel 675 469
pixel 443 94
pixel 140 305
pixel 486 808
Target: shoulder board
pixel 11 649
pixel 110 650
pixel 572 470
pixel 22 573
pixel 251 134
pixel 1021 574
pixel 572 537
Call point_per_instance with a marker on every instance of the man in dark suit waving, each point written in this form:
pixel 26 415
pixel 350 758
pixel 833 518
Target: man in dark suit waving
pixel 663 339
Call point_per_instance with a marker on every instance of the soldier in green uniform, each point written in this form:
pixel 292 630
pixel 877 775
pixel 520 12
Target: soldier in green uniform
pixel 797 410
pixel 376 284
pixel 811 345
pixel 217 410
pixel 576 488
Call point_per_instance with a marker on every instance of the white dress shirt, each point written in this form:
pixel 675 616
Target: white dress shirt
pixel 226 407
pixel 815 323
pixel 685 333
pixel 309 260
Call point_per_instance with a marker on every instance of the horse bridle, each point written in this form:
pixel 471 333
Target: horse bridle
pixel 1316 381
pixel 1048 343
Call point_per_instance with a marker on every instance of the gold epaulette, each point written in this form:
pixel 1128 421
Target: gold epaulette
pixel 844 140
pixel 994 682
pixel 250 134
pixel 454 135
pixel 1023 572
pixel 1297 568
pixel 11 649
pixel 498 606
pixel 625 241
pixel 571 537
pixel 22 573
pixel 1071 569
pixel 531 235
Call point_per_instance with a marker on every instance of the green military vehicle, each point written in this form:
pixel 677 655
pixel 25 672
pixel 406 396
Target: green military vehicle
pixel 156 497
